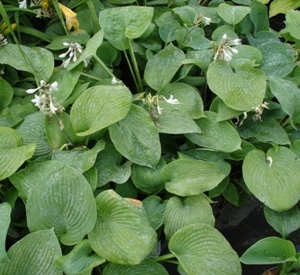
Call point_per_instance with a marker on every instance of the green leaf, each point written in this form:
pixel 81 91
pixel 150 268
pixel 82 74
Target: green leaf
pixel 121 2
pixel 122 233
pixel 259 16
pixel 278 60
pixel 284 222
pixel 182 212
pixel 48 186
pixel 190 246
pixel 136 137
pixel 122 23
pixel 232 14
pixel 6 93
pixel 288 95
pixel 186 14
pixel 218 135
pixel 240 88
pixel 155 210
pixel 32 129
pixel 188 97
pixel 79 158
pixel 270 250
pixel 267 130
pixel 161 68
pixel 33 254
pixel 292 22
pixel 5 210
pixel 267 176
pixel 81 260
pixel 191 177
pixel 37 61
pixel 148 179
pixel 110 167
pixel 147 266
pixel 12 151
pixel 231 194
pixel 279 6
pixel 99 107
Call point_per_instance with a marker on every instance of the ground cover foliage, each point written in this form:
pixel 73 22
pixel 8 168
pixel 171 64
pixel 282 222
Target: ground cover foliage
pixel 122 122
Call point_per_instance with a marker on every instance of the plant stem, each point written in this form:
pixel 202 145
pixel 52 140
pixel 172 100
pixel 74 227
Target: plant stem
pixel 135 67
pixel 103 65
pixel 164 257
pixel 90 76
pixel 131 70
pixel 93 14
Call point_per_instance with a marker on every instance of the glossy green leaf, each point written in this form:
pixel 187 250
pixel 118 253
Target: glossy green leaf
pixel 99 107
pixel 232 14
pixel 37 61
pixel 155 210
pixel 182 212
pixel 270 250
pixel 288 95
pixel 268 174
pixel 147 266
pixel 81 260
pixel 284 222
pixel 12 151
pixel 6 93
pixel 225 82
pixel 5 210
pixel 136 137
pixel 278 60
pixel 188 97
pixel 161 68
pixel 122 233
pixel 123 23
pixel 191 177
pixel 148 179
pixel 190 246
pixel 279 6
pixel 220 136
pixel 33 254
pixel 267 130
pixel 110 167
pixel 47 186
pixel 79 158
pixel 293 22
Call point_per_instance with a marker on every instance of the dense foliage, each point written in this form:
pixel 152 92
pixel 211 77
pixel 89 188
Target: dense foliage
pixel 122 121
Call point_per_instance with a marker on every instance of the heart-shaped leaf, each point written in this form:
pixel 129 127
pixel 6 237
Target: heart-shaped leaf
pixel 284 222
pixel 218 135
pixel 122 233
pixel 191 177
pixel 293 22
pixel 122 23
pixel 161 68
pixel 99 107
pixel 270 250
pixel 34 254
pixel 182 212
pixel 240 88
pixel 232 14
pixel 268 175
pixel 13 153
pixel 190 246
pixel 155 210
pixel 81 260
pixel 5 210
pixel 147 266
pixel 136 137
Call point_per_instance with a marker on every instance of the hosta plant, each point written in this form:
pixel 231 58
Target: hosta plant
pixel 122 122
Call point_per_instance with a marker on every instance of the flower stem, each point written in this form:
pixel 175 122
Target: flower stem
pixel 103 65
pixel 131 70
pixel 93 15
pixel 164 257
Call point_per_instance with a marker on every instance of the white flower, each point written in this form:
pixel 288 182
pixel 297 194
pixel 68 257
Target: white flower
pixel 159 109
pixel 114 81
pixel 23 4
pixel 224 50
pixel 37 101
pixel 53 108
pixel 3 40
pixel 73 50
pixel 206 20
pixel 171 100
pixel 53 86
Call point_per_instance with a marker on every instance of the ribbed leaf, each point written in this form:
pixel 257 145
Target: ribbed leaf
pixel 6 94
pixel 34 254
pixel 232 14
pixel 182 212
pixel 155 210
pixel 12 151
pixel 122 233
pixel 270 250
pixel 201 249
pixel 99 107
pixel 5 210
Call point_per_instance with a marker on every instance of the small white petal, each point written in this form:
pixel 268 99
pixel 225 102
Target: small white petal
pixel 53 87
pixel 172 100
pixel 43 83
pixel 114 81
pixel 224 36
pixel 66 44
pixel 37 101
pixel 235 42
pixel 159 109
pixel 63 55
pixel 31 91
pixel 52 107
pixel 23 4
pixel 235 51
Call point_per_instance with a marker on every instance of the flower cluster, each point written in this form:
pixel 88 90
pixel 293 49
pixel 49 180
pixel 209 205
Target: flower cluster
pixel 44 101
pixel 202 19
pixel 259 111
pixel 72 52
pixel 3 40
pixel 225 50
